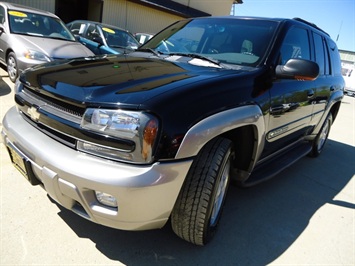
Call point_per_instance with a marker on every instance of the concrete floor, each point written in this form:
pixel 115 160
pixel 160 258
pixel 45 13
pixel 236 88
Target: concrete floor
pixel 304 216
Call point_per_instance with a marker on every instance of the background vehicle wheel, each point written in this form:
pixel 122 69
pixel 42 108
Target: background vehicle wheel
pixel 320 140
pixel 12 68
pixel 198 208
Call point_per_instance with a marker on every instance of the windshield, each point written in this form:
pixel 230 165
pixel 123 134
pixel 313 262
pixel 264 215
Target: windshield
pixel 38 25
pixel 119 38
pixel 226 40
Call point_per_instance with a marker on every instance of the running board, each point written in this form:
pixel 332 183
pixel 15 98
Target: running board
pixel 270 168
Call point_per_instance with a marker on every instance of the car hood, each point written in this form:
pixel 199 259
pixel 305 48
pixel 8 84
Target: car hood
pixel 54 48
pixel 117 79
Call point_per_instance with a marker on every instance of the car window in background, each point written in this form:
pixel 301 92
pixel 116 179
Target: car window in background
pixel 118 38
pixel 91 32
pixel 27 23
pixel 103 38
pixel 142 38
pixel 78 28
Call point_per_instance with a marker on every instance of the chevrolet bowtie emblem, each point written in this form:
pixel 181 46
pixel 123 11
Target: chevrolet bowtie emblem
pixel 33 113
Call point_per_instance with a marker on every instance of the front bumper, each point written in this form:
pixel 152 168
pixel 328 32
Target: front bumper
pixel 145 194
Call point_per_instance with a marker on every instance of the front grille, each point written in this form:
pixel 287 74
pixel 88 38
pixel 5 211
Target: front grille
pixel 58 108
pixel 52 107
pixel 55 134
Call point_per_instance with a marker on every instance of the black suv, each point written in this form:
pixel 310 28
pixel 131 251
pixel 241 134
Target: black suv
pixel 130 141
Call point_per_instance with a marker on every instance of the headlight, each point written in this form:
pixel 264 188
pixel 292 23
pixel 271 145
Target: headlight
pixel 139 127
pixel 35 55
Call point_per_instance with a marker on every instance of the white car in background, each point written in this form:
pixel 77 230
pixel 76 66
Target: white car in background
pixel 30 37
pixel 349 78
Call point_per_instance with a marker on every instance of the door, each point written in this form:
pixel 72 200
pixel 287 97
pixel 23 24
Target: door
pixel 322 85
pixel 290 104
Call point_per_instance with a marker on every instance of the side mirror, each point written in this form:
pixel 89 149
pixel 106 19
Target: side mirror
pixel 299 69
pixel 2 30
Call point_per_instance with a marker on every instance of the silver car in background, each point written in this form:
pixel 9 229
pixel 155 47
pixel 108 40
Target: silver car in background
pixel 30 36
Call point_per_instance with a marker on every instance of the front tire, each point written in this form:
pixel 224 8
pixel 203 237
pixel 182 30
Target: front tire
pixel 322 137
pixel 12 67
pixel 199 205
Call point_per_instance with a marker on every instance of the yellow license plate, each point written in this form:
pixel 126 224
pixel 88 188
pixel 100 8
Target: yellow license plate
pixel 22 163
pixel 18 161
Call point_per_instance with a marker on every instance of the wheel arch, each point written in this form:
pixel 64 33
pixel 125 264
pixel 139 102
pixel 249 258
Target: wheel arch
pixel 333 108
pixel 245 126
pixel 246 150
pixel 8 51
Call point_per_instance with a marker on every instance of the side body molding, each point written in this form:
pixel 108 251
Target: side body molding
pixel 219 123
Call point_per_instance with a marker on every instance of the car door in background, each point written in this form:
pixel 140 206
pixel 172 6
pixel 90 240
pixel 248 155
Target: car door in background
pixel 88 35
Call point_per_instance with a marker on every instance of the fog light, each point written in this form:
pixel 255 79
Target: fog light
pixel 106 199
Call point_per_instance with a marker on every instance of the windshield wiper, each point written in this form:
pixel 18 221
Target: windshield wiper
pixel 150 50
pixel 58 38
pixel 118 46
pixel 198 56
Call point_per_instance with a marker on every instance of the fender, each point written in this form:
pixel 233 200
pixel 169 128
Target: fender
pixel 337 96
pixel 205 130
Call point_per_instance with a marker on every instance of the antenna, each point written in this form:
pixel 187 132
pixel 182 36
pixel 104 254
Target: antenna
pixel 341 24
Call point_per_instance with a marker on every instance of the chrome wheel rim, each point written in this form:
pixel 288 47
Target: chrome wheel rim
pixel 11 68
pixel 220 194
pixel 323 136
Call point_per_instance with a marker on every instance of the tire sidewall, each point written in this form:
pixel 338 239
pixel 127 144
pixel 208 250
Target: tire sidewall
pixel 209 229
pixel 316 150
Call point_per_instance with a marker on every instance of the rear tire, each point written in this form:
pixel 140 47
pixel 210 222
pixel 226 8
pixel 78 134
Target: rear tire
pixel 322 137
pixel 12 67
pixel 199 205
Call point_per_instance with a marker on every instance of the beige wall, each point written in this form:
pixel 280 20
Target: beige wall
pixel 138 18
pixel 134 17
pixel 213 7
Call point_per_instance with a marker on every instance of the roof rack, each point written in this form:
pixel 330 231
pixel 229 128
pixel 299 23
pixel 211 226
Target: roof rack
pixel 310 24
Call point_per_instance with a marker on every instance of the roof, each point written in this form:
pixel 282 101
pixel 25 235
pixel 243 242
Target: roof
pixel 97 23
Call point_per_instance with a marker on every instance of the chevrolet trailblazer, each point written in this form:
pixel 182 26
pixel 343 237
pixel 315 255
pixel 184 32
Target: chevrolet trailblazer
pixel 131 141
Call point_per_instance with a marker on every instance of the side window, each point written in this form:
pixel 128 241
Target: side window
pixel 295 45
pixel 335 58
pixel 2 15
pixel 327 58
pixel 92 32
pixel 77 28
pixel 319 50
